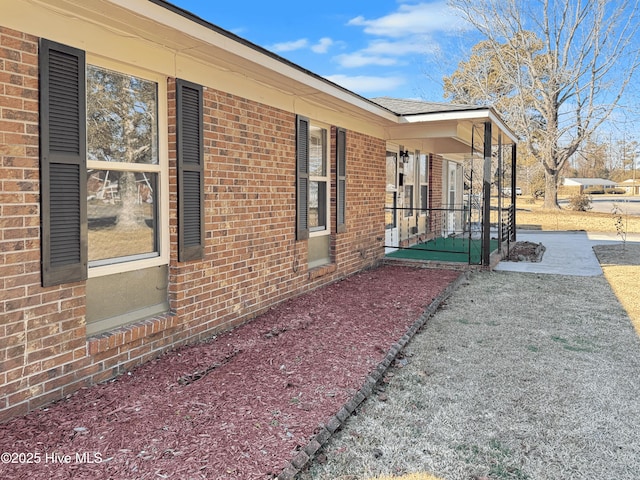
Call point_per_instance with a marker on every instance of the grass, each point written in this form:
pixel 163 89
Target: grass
pixel 541 388
pixel 621 267
pixel 497 456
pixel 541 393
pixel 531 215
pixel 411 476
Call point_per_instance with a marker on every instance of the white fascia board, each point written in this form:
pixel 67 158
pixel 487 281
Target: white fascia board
pixel 503 127
pixel 469 115
pixel 447 116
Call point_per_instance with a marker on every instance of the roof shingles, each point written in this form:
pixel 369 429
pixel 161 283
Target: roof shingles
pixel 402 106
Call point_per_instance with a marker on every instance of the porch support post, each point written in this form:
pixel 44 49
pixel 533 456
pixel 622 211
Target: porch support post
pixel 486 193
pixel 513 189
pixel 500 190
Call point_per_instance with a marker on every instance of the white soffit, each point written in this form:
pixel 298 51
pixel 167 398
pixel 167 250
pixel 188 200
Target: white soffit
pixel 464 116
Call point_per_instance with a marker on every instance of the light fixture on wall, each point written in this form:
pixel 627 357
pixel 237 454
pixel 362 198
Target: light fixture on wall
pixel 404 155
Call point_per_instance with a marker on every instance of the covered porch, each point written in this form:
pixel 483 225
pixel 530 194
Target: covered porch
pixel 451 186
pixel 459 249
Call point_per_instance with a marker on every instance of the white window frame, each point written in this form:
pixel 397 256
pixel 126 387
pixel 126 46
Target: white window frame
pixel 161 169
pixel 421 183
pixel 317 231
pixel 410 168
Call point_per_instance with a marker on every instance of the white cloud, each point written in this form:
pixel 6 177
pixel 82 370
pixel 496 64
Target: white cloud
pixel 416 44
pixel 411 30
pixel 360 59
pixel 289 46
pixel 363 84
pixel 421 18
pixel 323 45
pixel 386 53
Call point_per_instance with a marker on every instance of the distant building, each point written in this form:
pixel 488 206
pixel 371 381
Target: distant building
pixel 579 185
pixel 631 186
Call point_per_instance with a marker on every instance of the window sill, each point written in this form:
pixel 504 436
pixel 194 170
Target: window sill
pixel 319 233
pixel 322 271
pixel 123 335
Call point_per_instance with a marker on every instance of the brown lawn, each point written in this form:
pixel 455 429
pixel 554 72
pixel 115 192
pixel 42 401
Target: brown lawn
pixel 620 263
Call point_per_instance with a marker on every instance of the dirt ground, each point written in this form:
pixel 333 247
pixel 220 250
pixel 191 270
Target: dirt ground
pixel 525 252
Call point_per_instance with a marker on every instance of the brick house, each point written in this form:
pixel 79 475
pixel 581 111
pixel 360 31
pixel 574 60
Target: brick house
pixel 162 179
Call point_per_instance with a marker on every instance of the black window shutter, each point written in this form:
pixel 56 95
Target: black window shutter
pixel 302 177
pixel 190 147
pixel 63 165
pixel 341 179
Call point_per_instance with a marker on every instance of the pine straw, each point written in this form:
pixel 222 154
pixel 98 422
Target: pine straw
pixel 519 376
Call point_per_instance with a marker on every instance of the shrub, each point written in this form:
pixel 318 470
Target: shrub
pixel 620 223
pixel 615 191
pixel 593 191
pixel 580 203
pixel 538 193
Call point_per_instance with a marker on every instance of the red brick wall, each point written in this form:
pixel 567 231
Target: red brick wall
pixel 252 260
pixel 43 347
pixel 363 242
pixel 435 192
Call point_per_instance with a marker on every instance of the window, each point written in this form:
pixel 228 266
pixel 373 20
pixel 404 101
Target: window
pixel 313 191
pixel 104 182
pixel 122 167
pixel 319 184
pixel 104 170
pixel 392 171
pixel 423 178
pixel 318 179
pixel 409 181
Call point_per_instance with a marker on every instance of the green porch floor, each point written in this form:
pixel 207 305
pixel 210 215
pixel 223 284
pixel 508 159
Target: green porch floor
pixel 449 249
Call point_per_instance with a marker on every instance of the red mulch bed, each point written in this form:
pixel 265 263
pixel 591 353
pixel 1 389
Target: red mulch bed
pixel 239 406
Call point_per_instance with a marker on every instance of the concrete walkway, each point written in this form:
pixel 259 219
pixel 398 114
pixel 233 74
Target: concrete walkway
pixel 567 253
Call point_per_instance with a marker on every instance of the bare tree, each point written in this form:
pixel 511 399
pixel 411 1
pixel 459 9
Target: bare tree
pixel 592 160
pixel 121 128
pixel 563 65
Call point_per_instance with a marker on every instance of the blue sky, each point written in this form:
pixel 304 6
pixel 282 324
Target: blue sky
pixel 374 48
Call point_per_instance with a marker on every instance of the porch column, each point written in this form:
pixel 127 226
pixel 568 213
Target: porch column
pixel 486 193
pixel 513 190
pixel 500 190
